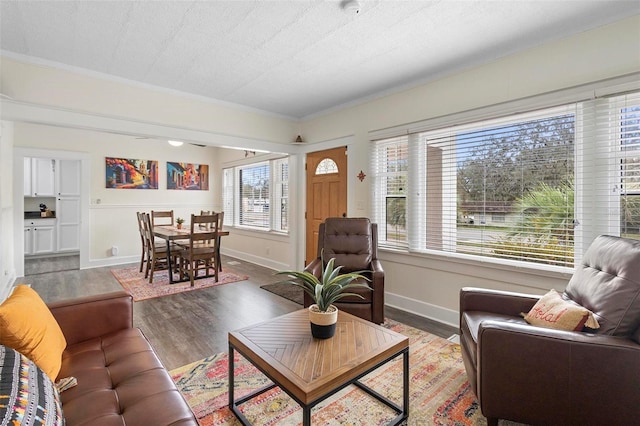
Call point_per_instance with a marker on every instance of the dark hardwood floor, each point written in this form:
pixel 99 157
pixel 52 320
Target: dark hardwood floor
pixel 186 327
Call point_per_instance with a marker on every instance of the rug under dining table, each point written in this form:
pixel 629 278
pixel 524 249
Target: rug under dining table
pixel 134 282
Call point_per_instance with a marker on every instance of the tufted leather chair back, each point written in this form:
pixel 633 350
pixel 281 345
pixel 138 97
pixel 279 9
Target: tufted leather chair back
pixel 350 241
pixel 353 242
pixel 608 284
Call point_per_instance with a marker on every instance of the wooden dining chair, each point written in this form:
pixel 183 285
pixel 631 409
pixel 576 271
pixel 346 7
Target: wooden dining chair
pixel 157 254
pixel 166 218
pixel 144 256
pixel 220 220
pixel 201 253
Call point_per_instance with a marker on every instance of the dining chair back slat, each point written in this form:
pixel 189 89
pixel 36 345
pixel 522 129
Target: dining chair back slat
pixel 161 218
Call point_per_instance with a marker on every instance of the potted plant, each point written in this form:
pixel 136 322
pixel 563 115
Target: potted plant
pixel 179 222
pixel 324 291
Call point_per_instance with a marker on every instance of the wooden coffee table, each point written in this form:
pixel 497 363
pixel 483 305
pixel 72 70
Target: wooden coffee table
pixel 310 370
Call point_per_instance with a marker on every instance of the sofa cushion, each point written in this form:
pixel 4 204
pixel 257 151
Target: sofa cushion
pixel 122 381
pixel 27 394
pixel 27 325
pixel 552 311
pixel 608 284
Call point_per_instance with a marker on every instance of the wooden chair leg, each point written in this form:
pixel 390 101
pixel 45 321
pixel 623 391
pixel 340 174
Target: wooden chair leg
pixel 146 270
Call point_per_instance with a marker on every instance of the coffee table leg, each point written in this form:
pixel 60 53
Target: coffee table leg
pixel 405 380
pixel 231 378
pixel 306 416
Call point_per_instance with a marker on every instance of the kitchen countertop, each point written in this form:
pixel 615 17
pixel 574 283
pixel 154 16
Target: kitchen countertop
pixel 36 215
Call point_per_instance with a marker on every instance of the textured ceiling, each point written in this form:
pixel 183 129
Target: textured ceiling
pixel 295 58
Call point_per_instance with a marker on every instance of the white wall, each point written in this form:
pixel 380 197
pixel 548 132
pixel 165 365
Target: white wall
pixel 430 285
pixel 112 211
pixel 423 284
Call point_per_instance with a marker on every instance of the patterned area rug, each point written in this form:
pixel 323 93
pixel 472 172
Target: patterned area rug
pixel 439 391
pixel 138 286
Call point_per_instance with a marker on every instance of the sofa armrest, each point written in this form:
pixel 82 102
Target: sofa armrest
pixel 495 301
pixel 89 317
pixel 541 370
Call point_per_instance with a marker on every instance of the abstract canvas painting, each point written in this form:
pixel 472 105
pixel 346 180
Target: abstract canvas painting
pixel 123 173
pixel 187 176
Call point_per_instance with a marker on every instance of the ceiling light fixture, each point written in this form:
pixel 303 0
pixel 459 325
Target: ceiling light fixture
pixel 352 7
pixel 299 139
pixel 175 143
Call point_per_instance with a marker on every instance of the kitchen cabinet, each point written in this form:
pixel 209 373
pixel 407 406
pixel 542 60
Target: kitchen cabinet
pixel 68 223
pixel 39 177
pixel 39 236
pixel 68 178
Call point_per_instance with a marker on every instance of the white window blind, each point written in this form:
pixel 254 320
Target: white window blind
pixel 520 168
pixel 227 195
pixel 390 165
pixel 254 185
pixel 608 192
pixel 281 194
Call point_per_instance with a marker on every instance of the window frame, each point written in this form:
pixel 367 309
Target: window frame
pixel 231 194
pixel 415 207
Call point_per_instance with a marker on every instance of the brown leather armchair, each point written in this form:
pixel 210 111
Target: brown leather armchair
pixel 545 376
pixel 353 242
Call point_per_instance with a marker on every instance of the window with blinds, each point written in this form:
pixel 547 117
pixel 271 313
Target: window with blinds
pixel 532 187
pixel 251 191
pixel 254 187
pixel 227 195
pixel 390 165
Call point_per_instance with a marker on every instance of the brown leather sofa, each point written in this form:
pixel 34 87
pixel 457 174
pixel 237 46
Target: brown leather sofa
pixel 544 376
pixel 121 381
pixel 353 242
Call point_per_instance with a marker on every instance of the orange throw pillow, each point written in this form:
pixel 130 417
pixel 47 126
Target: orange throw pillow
pixel 27 325
pixel 552 311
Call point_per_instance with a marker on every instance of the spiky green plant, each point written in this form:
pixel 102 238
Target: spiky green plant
pixel 330 287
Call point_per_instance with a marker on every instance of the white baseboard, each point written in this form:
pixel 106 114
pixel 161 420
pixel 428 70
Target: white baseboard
pixel 258 260
pixel 423 309
pixel 110 261
pixel 121 260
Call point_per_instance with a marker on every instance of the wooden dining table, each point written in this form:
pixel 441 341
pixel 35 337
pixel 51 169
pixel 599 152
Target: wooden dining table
pixel 171 233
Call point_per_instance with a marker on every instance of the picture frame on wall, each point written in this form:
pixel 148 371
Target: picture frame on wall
pixel 187 176
pixel 125 173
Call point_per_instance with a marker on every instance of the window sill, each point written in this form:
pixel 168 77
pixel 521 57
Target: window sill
pixel 255 232
pixel 520 273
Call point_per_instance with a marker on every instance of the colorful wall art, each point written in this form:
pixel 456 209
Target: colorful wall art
pixel 125 173
pixel 188 176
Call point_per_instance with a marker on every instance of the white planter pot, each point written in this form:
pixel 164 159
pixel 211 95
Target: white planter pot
pixel 323 324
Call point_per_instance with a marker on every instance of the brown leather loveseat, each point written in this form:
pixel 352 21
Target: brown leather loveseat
pixel 545 376
pixel 121 381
